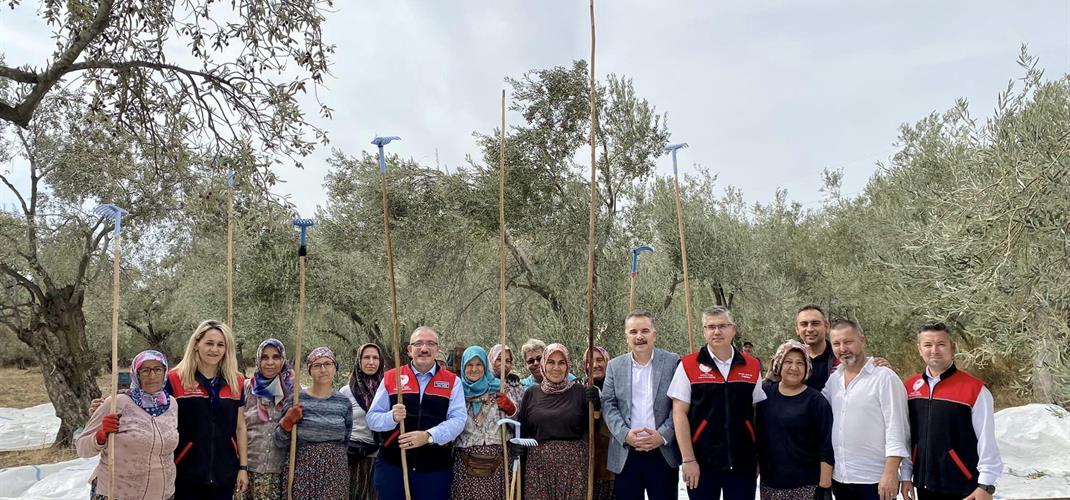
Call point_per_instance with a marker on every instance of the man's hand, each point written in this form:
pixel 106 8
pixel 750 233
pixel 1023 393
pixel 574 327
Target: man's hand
pixel 632 439
pixel 414 439
pixel 691 474
pixel 880 362
pixel 979 494
pixel 399 412
pixel 648 439
pixel 888 488
pixel 906 488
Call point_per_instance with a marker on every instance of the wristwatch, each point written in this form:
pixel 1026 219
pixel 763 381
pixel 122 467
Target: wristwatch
pixel 243 467
pixel 430 438
pixel 988 488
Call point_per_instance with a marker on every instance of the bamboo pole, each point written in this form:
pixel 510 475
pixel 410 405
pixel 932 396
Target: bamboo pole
pixel 591 242
pixel 394 329
pixel 503 324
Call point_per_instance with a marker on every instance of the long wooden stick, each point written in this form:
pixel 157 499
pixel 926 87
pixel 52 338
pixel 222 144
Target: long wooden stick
pixel 230 257
pixel 297 372
pixel 114 363
pixel 394 331
pixel 683 255
pixel 503 325
pixel 591 241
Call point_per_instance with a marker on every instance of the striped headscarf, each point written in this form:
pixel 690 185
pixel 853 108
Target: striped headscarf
pixel 275 389
pixel 154 403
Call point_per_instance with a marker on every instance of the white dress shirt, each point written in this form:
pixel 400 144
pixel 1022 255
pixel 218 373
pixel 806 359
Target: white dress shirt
pixel 680 387
pixel 989 461
pixel 869 422
pixel 642 410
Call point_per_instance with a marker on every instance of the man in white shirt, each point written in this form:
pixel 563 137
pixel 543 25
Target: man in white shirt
pixel 714 392
pixel 951 416
pixel 643 452
pixel 869 428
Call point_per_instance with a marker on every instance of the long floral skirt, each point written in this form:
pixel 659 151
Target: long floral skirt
pixel 265 486
pixel 321 472
pixel 467 486
pixel 800 493
pixel 361 473
pixel 556 470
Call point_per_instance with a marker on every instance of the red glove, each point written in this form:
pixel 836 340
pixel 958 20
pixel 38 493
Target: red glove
pixel 506 404
pixel 109 425
pixel 292 417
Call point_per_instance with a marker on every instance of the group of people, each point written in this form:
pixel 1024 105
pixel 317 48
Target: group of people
pixel 824 420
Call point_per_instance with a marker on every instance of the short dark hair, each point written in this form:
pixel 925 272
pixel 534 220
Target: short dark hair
pixel 813 307
pixel 935 326
pixel 846 323
pixel 748 344
pixel 640 313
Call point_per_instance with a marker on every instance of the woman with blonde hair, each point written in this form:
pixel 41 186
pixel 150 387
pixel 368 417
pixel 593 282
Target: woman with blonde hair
pixel 211 459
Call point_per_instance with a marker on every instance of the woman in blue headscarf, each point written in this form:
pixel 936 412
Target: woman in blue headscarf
pixel 266 391
pixel 478 472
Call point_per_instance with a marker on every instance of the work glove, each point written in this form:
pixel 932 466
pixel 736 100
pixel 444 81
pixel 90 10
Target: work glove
pixel 505 404
pixel 517 451
pixel 109 425
pixel 595 397
pixel 292 417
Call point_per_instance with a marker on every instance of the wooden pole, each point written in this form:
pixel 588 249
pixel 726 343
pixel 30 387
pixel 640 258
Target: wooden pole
pixel 297 372
pixel 394 330
pixel 683 256
pixel 230 257
pixel 631 293
pixel 591 243
pixel 114 362
pixel 503 324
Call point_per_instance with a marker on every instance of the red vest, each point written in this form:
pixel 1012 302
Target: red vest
pixel 722 411
pixel 943 442
pixel 420 414
pixel 207 452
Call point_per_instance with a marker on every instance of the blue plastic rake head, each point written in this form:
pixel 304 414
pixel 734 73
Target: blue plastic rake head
pixel 303 225
pixel 673 148
pixel 383 141
pixel 113 211
pixel 635 256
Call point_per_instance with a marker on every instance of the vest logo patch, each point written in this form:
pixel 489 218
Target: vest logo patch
pixel 918 383
pixel 746 375
pixel 704 368
pixel 404 380
pixel 439 384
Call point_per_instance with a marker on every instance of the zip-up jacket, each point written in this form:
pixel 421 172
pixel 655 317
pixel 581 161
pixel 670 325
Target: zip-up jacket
pixel 722 411
pixel 207 452
pixel 942 437
pixel 422 412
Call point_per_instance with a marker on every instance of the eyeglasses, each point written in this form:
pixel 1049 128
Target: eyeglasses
pixel 719 327
pixel 159 370
pixel 536 359
pixel 430 344
pixel 320 366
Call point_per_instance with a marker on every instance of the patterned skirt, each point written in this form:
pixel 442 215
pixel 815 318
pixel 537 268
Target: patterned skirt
pixel 321 472
pixel 556 470
pixel 265 486
pixel 800 493
pixel 361 472
pixel 468 486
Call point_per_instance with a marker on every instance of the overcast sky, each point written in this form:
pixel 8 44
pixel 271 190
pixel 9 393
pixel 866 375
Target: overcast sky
pixel 768 93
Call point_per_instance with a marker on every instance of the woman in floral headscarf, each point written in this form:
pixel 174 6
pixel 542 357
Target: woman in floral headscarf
pixel 603 479
pixel 321 467
pixel 265 394
pixel 145 429
pixel 365 378
pixel 478 471
pixel 555 414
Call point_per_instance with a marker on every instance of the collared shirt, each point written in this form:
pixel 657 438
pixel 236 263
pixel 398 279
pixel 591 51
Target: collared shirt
pixel 642 409
pixel 381 419
pixel 989 461
pixel 869 422
pixel 680 387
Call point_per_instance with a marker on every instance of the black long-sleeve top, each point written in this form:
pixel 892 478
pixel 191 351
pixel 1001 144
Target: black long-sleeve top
pixel 794 437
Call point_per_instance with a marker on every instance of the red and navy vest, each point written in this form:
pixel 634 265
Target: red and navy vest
pixel 420 414
pixel 943 442
pixel 207 452
pixel 722 411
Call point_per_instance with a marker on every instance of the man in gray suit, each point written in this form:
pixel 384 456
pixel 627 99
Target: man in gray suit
pixel 638 412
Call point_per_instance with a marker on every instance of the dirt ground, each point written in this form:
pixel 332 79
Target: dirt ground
pixel 23 389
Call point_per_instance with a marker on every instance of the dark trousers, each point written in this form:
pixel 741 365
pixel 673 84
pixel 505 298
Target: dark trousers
pixel 855 491
pixel 646 471
pixel 734 485
pixel 924 494
pixel 431 485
